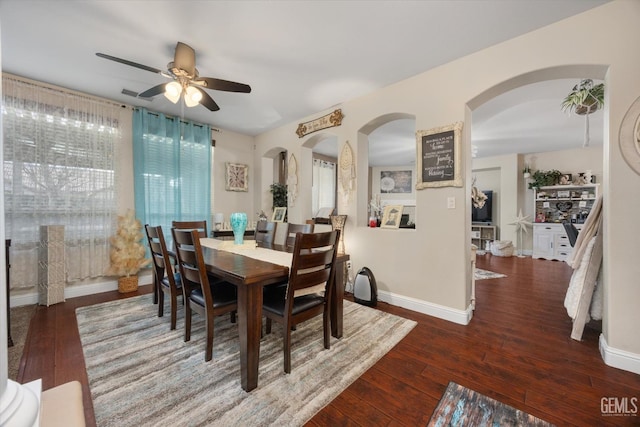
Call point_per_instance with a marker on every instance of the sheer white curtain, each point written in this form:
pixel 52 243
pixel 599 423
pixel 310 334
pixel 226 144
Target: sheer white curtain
pixel 59 155
pixel 323 189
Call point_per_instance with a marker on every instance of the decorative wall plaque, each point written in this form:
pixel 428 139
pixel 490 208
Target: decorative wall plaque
pixel 439 157
pixel 330 120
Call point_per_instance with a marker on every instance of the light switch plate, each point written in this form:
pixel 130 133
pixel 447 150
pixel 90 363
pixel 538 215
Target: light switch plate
pixel 451 202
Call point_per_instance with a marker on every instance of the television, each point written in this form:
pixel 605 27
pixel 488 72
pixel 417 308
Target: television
pixel 483 215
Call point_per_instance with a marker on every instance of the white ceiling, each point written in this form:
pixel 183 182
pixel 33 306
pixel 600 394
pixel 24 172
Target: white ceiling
pixel 300 57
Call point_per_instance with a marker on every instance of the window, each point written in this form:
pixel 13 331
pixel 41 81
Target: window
pixel 323 190
pixel 59 150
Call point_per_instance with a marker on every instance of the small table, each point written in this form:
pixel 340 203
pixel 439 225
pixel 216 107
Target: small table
pixel 250 275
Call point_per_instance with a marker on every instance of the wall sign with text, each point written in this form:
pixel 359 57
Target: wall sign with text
pixel 439 159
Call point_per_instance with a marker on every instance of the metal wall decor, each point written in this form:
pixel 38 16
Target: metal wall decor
pixel 629 137
pixel 330 120
pixel 237 177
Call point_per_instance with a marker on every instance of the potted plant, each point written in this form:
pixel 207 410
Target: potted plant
pixel 584 98
pixel 127 252
pixel 544 178
pixel 279 193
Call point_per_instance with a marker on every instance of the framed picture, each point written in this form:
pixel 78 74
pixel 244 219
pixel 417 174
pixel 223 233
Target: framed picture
pixel 237 177
pixel 395 181
pixel 439 159
pixel 278 214
pixel 391 216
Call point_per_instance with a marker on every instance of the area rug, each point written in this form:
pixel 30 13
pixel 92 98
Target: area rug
pixel 142 374
pixel 460 406
pixel 20 320
pixel 486 274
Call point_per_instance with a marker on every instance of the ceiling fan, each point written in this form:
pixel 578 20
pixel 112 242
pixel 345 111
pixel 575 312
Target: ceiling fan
pixel 186 81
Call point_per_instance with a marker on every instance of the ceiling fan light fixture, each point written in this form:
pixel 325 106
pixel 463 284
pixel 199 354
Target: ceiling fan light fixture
pixel 192 96
pixel 172 91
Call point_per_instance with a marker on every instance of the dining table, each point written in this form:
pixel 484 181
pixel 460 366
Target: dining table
pixel 250 266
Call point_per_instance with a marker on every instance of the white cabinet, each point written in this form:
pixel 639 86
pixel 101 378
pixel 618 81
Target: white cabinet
pixel 550 241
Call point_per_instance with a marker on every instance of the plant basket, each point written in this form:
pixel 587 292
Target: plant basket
pixel 127 284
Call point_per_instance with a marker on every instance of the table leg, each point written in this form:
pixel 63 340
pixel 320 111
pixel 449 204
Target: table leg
pixel 249 328
pixel 336 302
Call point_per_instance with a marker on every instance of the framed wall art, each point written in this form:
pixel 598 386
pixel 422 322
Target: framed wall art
pixel 395 181
pixel 237 177
pixel 439 159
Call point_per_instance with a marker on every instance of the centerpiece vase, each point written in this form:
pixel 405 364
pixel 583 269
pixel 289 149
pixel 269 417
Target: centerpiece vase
pixel 238 225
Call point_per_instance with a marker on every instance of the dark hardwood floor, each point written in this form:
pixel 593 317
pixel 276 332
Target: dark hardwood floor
pixel 517 349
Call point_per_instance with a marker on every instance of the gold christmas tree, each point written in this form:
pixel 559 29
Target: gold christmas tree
pixel 127 251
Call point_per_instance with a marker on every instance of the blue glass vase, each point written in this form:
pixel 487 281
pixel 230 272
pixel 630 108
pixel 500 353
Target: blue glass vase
pixel 238 225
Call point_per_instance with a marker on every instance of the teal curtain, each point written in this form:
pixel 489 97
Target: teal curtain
pixel 172 170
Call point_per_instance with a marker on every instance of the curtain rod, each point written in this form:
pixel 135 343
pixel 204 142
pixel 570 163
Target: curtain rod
pixel 64 90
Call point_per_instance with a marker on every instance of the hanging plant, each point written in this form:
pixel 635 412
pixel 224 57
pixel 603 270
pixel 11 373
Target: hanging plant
pixel 584 98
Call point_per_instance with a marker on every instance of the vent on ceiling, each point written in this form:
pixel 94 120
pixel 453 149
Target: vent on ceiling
pixel 135 95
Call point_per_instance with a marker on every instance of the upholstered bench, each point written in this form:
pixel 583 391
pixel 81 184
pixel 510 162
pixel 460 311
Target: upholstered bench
pixel 62 406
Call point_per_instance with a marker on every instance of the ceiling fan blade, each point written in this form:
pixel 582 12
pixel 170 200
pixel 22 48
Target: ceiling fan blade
pixel 207 101
pixel 185 58
pixel 130 63
pixel 224 85
pixel 156 90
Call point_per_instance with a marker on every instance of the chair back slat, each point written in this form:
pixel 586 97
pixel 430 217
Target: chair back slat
pixel 265 232
pixel 201 226
pixel 293 229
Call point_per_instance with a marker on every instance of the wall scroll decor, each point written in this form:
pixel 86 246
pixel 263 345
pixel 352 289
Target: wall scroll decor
pixel 629 137
pixel 237 177
pixel 292 180
pixel 439 160
pixel 330 120
pixel 347 171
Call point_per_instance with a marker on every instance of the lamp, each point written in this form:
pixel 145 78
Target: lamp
pixel 192 96
pixel 337 223
pixel 217 220
pixel 172 91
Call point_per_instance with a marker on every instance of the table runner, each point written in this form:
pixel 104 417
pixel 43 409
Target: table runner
pixel 249 248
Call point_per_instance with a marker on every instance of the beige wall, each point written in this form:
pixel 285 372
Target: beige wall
pixel 232 148
pixel 427 269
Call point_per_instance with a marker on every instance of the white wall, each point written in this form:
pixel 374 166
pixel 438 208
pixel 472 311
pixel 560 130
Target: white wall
pixel 427 269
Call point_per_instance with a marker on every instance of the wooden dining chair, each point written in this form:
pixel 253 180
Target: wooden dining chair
pixel 201 226
pixel 308 293
pixel 265 231
pixel 206 298
pixel 167 281
pixel 297 228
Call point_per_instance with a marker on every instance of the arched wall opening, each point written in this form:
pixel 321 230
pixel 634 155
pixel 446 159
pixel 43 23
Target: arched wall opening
pixel 272 170
pixel 509 171
pixel 365 180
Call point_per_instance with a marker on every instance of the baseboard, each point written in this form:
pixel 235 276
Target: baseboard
pixel 620 359
pixel 461 317
pixel 77 290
